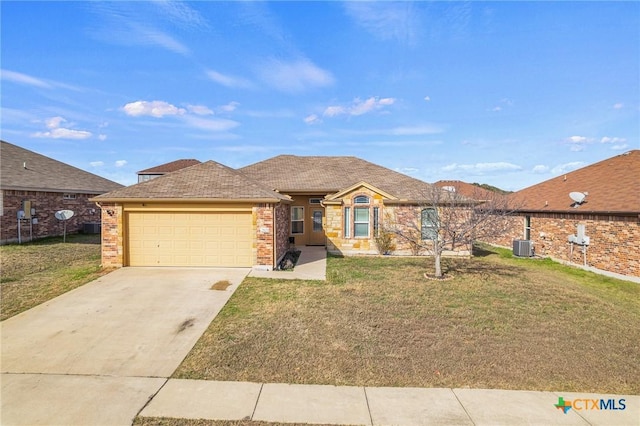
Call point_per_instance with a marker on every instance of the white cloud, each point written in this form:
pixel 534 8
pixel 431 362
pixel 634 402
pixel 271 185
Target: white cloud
pixel 120 163
pixel 386 20
pixel 426 129
pixel 577 139
pixel 358 107
pixel 312 119
pixel 228 80
pixel 296 76
pixel 407 170
pixel 607 139
pixel 102 137
pixel 333 111
pixel 230 107
pixel 199 109
pixel 427 98
pixel 496 109
pixel 153 108
pixel 179 12
pixel 619 105
pixel 578 143
pixel 210 124
pixel 16 77
pixel 566 167
pixel 620 147
pixel 57 132
pixel 131 26
pixel 481 168
pixel 97 163
pixel 540 169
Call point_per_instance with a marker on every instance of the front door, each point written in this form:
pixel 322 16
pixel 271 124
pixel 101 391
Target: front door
pixel 317 229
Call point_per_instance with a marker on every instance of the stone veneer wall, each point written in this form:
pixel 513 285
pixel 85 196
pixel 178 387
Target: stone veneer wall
pixel 45 204
pixel 112 236
pixel 336 243
pixel 613 246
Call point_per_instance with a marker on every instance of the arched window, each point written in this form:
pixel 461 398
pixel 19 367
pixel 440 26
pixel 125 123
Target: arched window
pixel 361 216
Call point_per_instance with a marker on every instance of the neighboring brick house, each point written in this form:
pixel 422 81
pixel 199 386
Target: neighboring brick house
pixel 39 186
pixel 163 169
pixel 212 215
pixel 610 213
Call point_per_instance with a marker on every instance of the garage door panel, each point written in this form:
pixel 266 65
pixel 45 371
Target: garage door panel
pixel 190 239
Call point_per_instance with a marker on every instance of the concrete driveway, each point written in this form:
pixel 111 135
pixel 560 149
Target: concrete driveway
pixel 97 354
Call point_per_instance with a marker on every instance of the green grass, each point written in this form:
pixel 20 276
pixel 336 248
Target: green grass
pixel 35 272
pixel 501 322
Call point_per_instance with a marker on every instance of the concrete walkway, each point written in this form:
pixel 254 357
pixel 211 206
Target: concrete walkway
pixel 312 265
pixel 342 405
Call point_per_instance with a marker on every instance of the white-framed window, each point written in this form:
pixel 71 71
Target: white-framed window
pixel 429 224
pixel 361 222
pixel 347 222
pixel 361 199
pixel 297 220
pixel 68 196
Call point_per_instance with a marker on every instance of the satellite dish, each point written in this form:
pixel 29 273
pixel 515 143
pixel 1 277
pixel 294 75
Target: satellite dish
pixel 64 214
pixel 578 197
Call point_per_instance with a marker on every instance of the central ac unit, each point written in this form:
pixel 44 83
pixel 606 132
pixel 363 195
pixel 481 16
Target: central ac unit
pixel 522 248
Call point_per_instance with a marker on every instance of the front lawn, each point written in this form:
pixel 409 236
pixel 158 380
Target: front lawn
pixel 500 323
pixel 35 272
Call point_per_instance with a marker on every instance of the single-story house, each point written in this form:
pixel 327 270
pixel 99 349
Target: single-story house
pixel 600 201
pixel 40 186
pixel 163 169
pixel 212 215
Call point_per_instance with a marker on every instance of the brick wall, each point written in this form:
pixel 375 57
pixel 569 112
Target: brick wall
pixel 45 204
pixel 112 236
pixel 265 250
pixel 614 244
pixel 405 220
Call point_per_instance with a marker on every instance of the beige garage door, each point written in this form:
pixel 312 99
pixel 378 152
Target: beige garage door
pixel 190 239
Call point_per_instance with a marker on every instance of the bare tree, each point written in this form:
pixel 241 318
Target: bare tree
pixel 447 220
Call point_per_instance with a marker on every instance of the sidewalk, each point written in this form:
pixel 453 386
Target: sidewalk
pixel 341 405
pixel 312 265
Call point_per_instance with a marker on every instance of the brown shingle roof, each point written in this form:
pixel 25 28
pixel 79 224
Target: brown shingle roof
pixel 46 174
pixel 291 173
pixel 170 167
pixel 613 186
pixel 204 181
pixel 468 190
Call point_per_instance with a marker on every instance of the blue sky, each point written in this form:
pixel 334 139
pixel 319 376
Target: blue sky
pixel 505 93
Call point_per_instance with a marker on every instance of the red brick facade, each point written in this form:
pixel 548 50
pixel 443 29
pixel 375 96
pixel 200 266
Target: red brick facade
pixel 265 241
pixel 112 236
pixel 614 240
pixel 45 205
